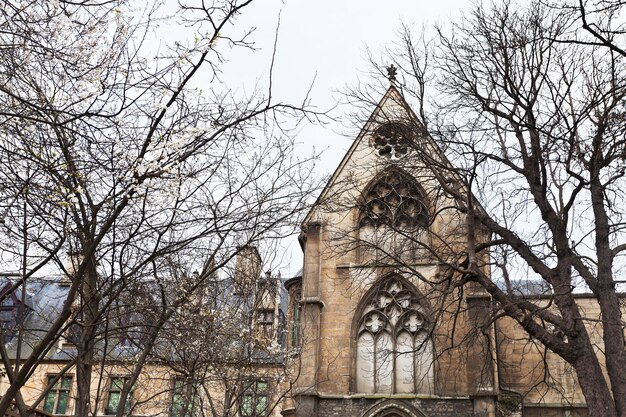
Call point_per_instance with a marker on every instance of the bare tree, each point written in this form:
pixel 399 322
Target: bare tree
pixel 243 368
pixel 523 134
pixel 602 20
pixel 121 154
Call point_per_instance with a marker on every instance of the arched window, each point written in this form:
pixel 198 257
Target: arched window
pixel 393 349
pixel 393 200
pixel 392 220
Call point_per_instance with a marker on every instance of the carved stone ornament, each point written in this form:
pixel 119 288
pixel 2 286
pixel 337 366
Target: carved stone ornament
pixel 392 140
pixel 393 347
pixel 394 200
pixel 392 309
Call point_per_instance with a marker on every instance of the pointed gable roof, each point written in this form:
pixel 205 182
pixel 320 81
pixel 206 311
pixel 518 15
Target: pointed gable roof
pixel 391 107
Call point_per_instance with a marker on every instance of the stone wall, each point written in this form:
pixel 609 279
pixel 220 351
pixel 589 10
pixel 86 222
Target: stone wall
pixel 356 407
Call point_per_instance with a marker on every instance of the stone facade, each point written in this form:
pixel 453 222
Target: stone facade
pixel 369 293
pixel 354 242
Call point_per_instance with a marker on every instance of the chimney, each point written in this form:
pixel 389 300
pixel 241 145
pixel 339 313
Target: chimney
pixel 247 269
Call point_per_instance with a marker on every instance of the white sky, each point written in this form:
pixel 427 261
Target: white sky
pixel 320 42
pixel 325 40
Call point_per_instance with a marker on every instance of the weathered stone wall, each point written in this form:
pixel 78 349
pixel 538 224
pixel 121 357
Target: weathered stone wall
pixel 356 407
pixel 526 366
pixel 339 271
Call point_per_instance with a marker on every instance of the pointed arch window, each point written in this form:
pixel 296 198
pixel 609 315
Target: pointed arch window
pixel 393 350
pixel 395 200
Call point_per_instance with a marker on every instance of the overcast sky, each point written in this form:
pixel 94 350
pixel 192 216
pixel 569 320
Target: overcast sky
pixel 325 41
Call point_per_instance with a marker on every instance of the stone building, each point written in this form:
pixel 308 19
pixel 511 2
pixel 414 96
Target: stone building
pixel 222 353
pixel 382 333
pixel 373 328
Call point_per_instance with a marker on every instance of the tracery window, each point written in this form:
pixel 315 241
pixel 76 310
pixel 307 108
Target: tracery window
pixel 394 200
pixel 392 140
pixel 393 351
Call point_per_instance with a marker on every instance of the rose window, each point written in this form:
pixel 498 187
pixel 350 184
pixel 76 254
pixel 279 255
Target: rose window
pixel 392 140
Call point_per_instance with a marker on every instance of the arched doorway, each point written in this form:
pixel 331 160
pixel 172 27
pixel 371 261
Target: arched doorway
pixel 393 408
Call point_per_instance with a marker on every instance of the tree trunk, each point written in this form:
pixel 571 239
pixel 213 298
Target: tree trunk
pixel 594 386
pixel 86 347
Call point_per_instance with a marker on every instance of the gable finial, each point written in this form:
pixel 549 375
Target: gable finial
pixel 391 73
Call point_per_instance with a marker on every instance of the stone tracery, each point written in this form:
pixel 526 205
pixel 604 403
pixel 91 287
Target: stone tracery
pixel 394 353
pixel 392 140
pixel 394 200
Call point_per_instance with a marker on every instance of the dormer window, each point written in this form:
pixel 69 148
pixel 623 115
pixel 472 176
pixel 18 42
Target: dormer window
pixel 10 311
pixel 265 321
pixel 132 329
pixel 393 200
pixel 392 140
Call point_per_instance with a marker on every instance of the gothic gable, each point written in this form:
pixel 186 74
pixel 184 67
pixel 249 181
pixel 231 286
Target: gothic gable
pixel 385 140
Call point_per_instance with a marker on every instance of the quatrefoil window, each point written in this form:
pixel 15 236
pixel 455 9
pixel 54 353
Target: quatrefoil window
pixel 392 140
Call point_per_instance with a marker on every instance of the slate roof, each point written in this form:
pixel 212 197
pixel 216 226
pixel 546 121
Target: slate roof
pixel 45 298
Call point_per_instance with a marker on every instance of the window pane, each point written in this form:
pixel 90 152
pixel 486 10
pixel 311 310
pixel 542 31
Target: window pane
pixel 62 404
pixel 67 383
pixel 365 363
pixel 177 399
pixel 177 405
pixel 117 384
pixel 48 406
pixel 405 364
pixel 129 402
pixel 261 405
pixel 261 386
pixel 384 367
pixel 246 406
pixel 295 327
pixel 113 403
pixel 424 364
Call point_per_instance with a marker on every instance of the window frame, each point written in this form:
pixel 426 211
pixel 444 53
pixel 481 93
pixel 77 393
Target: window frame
pixel 296 314
pixel 392 140
pixel 108 410
pixel 383 202
pixel 56 390
pixel 265 321
pixel 178 393
pixel 251 390
pixel 392 331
